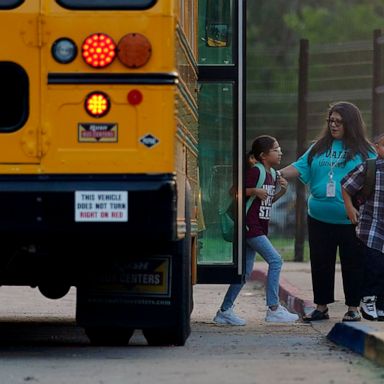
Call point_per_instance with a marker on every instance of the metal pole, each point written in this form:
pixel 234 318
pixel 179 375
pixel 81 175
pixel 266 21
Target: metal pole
pixel 376 80
pixel 301 146
pixel 241 130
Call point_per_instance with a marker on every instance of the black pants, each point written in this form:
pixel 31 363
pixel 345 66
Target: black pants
pixel 373 284
pixel 324 239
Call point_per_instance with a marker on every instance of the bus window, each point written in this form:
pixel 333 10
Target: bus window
pixel 216 173
pixel 14 97
pixel 9 4
pixel 218 23
pixel 215 30
pixel 107 4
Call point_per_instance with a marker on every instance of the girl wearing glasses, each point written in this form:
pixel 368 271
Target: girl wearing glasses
pixel 261 192
pixel 341 146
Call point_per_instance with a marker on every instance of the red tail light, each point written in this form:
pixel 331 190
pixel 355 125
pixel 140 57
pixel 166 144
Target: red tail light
pixel 99 50
pixel 97 104
pixel 135 97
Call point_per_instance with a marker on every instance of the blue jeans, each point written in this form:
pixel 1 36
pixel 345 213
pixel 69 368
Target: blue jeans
pixel 264 247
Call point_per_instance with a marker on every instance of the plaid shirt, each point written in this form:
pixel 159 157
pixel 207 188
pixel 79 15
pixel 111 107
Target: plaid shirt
pixel 370 229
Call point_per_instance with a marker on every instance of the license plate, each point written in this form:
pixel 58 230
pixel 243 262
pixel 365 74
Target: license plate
pixel 101 206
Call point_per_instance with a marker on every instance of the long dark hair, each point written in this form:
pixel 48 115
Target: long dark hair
pixel 355 140
pixel 262 144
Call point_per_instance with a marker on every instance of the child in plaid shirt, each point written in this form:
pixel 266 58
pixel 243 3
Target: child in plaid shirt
pixel 370 230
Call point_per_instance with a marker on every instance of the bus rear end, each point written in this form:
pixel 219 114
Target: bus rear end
pixel 93 177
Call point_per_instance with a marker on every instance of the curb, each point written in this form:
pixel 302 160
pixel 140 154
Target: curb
pixel 288 293
pixel 360 338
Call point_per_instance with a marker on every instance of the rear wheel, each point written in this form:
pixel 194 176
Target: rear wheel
pixel 182 288
pixel 179 332
pixel 106 314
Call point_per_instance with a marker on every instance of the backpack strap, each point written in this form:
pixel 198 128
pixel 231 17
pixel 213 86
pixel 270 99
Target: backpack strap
pixel 260 182
pixel 274 175
pixel 262 175
pixel 370 179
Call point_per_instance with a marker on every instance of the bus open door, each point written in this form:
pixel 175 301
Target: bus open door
pixel 221 137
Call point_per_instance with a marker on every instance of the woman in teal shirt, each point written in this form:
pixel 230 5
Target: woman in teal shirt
pixel 340 147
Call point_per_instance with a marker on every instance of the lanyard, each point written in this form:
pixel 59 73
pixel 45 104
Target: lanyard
pixel 333 165
pixel 331 186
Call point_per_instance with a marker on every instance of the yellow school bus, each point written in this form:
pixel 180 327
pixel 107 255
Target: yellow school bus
pixel 99 173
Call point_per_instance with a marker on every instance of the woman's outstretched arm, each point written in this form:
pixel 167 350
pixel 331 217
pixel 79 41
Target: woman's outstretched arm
pixel 289 172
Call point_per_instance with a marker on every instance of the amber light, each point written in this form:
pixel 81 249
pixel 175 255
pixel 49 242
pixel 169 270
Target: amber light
pixel 97 104
pixel 134 50
pixel 98 50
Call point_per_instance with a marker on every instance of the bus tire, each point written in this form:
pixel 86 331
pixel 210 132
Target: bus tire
pixel 178 334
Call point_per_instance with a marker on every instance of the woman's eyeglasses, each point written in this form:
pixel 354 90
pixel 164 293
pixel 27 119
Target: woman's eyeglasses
pixel 337 122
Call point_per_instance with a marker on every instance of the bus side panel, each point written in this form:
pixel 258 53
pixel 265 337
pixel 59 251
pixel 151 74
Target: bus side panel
pixel 19 41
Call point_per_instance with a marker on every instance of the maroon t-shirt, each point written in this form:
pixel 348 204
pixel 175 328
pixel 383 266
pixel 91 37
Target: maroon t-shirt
pixel 258 215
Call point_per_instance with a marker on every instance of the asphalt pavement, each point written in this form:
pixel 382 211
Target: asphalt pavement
pixel 364 337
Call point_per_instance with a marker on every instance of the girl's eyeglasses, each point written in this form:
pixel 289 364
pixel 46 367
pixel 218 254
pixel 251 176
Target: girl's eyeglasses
pixel 337 122
pixel 277 149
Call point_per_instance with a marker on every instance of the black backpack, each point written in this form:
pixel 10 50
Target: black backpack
pixel 369 186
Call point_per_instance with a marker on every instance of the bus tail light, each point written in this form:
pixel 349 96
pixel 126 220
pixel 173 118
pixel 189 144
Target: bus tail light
pixel 134 50
pixel 64 50
pixel 97 104
pixel 135 97
pixel 98 50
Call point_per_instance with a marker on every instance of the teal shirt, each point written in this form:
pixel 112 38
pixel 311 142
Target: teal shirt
pixel 320 207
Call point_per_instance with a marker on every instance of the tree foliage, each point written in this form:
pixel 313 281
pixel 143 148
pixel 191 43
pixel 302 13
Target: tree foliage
pixel 274 30
pixel 339 22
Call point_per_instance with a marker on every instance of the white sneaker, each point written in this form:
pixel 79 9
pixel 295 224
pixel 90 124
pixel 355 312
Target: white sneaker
pixel 280 315
pixel 380 314
pixel 228 317
pixel 368 308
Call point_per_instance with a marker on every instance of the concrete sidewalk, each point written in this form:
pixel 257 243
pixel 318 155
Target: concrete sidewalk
pixel 365 337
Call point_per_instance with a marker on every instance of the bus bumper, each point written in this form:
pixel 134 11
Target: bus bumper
pixel 41 207
pixel 42 242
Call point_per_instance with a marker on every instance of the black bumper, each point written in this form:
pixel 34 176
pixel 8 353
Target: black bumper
pixel 39 208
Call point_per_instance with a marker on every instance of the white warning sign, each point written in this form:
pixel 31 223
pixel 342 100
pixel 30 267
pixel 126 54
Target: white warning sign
pixel 101 206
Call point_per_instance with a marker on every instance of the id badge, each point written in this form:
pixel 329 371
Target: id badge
pixel 331 189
